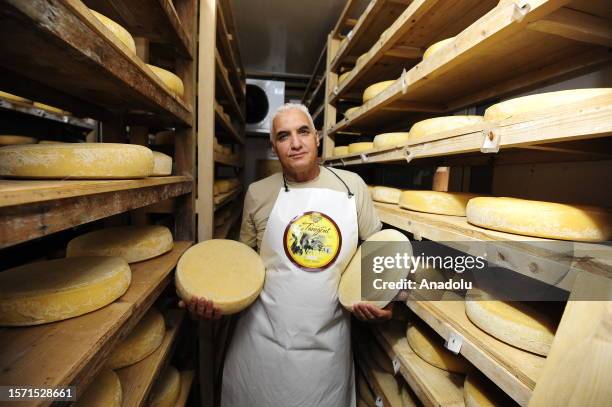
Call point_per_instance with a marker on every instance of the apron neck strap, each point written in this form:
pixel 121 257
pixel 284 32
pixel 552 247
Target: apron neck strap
pixel 348 190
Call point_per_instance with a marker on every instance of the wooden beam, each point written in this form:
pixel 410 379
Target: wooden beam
pixel 575 25
pixel 402 105
pixel 404 52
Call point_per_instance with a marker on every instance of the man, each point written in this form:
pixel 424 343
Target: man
pixel 292 346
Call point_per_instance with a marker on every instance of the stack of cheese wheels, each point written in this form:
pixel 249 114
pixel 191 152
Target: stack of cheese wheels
pixel 76 161
pixel 132 243
pixel 434 128
pixel 13 98
pixel 341 150
pixel 351 110
pixel 141 342
pixel 516 323
pixel 364 391
pixel 350 288
pixel 169 79
pixel 50 108
pixel 104 391
pixel 390 139
pixel 121 33
pixel 429 346
pixel 434 48
pixel 233 277
pixel 386 194
pixel 10 140
pixel 542 219
pixel 162 164
pixel 167 388
pixel 54 290
pixel 478 391
pixel 371 91
pixel 360 147
pixel 343 76
pixel 532 104
pixel 442 203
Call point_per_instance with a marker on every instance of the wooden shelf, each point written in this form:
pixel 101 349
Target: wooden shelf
pixel 138 379
pixel 373 377
pixel 86 68
pixel 35 112
pixel 222 231
pixel 517 253
pixel 227 96
pixel 227 41
pixel 513 370
pixel 71 352
pixel 227 126
pixel 157 21
pixel 433 386
pixel 31 209
pixel 224 198
pixel 502 53
pixel 186 381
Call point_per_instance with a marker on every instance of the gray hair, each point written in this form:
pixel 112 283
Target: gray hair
pixel 286 107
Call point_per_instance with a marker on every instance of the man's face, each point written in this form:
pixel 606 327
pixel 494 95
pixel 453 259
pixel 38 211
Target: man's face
pixel 294 141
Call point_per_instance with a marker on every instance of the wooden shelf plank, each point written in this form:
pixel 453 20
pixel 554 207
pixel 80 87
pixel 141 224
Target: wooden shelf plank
pixel 186 381
pixel 70 45
pixel 227 126
pixel 513 370
pixel 35 112
pixel 223 199
pixel 433 386
pixel 32 209
pixel 137 380
pixel 227 96
pixel 157 21
pixel 229 51
pixel 222 231
pixel 372 376
pixel 71 352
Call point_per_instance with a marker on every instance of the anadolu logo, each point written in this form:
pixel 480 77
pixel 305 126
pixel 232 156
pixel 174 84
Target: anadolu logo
pixel 312 241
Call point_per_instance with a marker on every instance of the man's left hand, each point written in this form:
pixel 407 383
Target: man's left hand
pixel 371 313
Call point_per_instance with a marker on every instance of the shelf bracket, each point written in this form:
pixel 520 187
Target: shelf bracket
pixel 490 141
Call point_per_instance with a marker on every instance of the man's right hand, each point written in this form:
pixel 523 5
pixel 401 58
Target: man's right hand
pixel 201 309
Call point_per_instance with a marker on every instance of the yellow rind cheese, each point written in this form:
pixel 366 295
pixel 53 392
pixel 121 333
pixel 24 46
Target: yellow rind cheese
pixel 104 391
pixel 390 139
pixel 162 164
pixel 371 91
pixel 351 110
pixel 478 391
pixel 438 202
pixel 10 140
pixel 167 389
pixel 54 290
pixel 429 347
pixel 360 147
pixel 425 128
pixel 121 33
pixel 169 79
pixel 341 150
pixel 49 108
pixel 14 98
pixel 386 194
pixel 343 76
pixel 409 399
pixel 364 391
pixel 436 47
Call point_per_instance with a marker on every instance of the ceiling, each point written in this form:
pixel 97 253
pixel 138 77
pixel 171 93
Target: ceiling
pixel 284 36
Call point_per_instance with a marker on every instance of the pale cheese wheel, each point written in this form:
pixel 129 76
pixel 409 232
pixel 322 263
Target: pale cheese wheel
pixel 438 202
pixel 76 161
pixel 49 108
pixel 233 277
pixel 361 58
pixel 169 79
pixel 343 76
pixel 167 389
pixel 143 340
pixel 118 31
pixel 409 399
pixel 542 219
pixel 104 391
pixel 388 386
pixel 429 346
pixel 371 91
pixel 13 98
pixel 542 102
pixel 478 391
pixel 386 194
pixel 10 140
pixel 426 128
pixel 223 185
pixel 349 289
pixel 364 391
pixel 341 150
pixel 216 190
pixel 132 243
pixel 55 290
pixel 371 190
pixel 390 139
pixel 351 111
pixel 434 48
pixel 515 323
pixel 360 147
pixel 162 164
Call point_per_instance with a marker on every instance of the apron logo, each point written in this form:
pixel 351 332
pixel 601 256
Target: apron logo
pixel 312 241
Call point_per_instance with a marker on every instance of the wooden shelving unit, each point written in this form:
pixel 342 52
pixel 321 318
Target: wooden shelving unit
pixel 226 197
pixel 223 231
pixel 38 113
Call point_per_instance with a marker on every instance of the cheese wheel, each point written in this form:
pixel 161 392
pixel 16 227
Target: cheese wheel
pixel 542 102
pixel 143 340
pixel 390 139
pixel 224 185
pixel 425 128
pixel 341 150
pixel 351 111
pixel 51 142
pixel 436 47
pixel 371 190
pixel 542 219
pixel 442 203
pixel 385 194
pixel 373 90
pixel 170 80
pixel 165 137
pixel 232 279
pixel 478 391
pixel 409 399
pixel 132 243
pixel 167 388
pixel 515 323
pixel 361 58
pixel 49 108
pixel 350 289
pixel 55 290
pixel 388 386
pixel 118 31
pixel 13 98
pixel 76 161
pixel 429 346
pixel 359 147
pixel 342 77
pixel 364 391
pixel 380 358
pixel 162 164
pixel 216 189
pixel 9 140
pixel 104 391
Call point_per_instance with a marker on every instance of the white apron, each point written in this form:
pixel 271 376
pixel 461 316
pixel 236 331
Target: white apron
pixel 292 347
